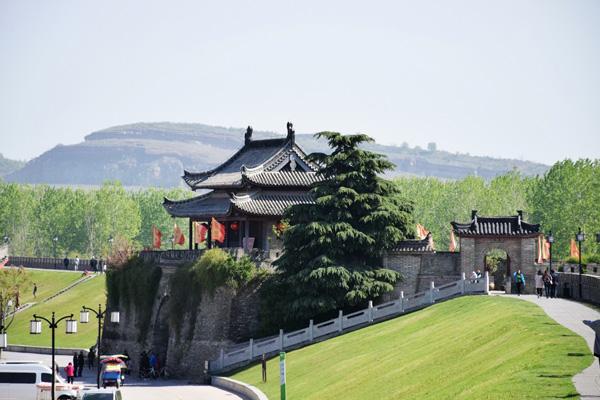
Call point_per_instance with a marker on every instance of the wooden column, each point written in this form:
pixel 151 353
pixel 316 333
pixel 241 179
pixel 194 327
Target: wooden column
pixel 191 234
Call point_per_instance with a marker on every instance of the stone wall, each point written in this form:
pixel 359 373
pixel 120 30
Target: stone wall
pixel 419 269
pixel 568 286
pixel 222 319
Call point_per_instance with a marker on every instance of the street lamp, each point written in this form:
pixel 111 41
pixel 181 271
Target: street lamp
pixel 35 328
pixel 84 318
pixel 6 239
pixel 580 237
pixel 550 240
pixel 55 241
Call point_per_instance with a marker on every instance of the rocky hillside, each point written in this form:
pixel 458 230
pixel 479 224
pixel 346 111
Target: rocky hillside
pixel 155 154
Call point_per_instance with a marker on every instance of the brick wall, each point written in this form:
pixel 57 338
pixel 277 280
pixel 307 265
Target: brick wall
pixel 568 286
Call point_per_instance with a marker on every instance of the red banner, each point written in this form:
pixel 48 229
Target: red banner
pixel 217 231
pixel 178 237
pixel 200 230
pixel 156 237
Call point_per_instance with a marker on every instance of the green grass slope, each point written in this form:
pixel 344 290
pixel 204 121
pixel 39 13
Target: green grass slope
pixel 48 283
pixel 467 348
pixel 90 293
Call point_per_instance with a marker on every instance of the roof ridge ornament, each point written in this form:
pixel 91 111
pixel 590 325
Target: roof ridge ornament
pixel 291 133
pixel 248 135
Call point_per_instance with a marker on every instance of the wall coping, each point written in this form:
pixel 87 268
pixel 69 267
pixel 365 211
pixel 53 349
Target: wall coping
pixel 44 350
pixel 249 391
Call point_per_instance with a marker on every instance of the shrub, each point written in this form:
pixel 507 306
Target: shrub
pixel 217 268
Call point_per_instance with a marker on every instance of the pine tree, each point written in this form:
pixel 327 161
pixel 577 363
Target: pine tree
pixel 333 248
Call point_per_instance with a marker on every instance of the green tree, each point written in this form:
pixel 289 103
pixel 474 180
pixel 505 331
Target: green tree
pixel 567 198
pixel 333 248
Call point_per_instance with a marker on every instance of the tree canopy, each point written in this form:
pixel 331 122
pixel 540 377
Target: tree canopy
pixel 333 248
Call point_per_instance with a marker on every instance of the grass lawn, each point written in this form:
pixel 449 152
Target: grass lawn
pixel 475 347
pixel 90 293
pixel 48 283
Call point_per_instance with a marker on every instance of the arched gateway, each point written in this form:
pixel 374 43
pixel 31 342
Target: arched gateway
pixel 511 234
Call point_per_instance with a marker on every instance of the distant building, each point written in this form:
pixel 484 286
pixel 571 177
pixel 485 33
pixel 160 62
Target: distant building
pixel 250 191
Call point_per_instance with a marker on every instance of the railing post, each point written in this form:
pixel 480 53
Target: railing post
pixel 432 292
pixel 370 310
pixel 463 277
pixel 310 330
pixel 281 340
pixel 340 321
pixel 251 348
pixel 487 283
pixel 222 359
pixel 402 301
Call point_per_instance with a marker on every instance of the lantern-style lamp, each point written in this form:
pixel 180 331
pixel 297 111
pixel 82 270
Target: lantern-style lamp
pixel 550 238
pixel 35 327
pixel 115 317
pixel 580 236
pixel 3 340
pixel 84 316
pixel 71 326
pixel 234 226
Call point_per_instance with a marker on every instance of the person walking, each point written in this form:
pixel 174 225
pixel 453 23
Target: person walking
pixel 519 281
pixel 80 363
pixel 70 371
pixel 554 287
pixel 539 283
pixel 75 363
pixel 76 263
pixel 34 290
pixel 91 357
pixel 94 264
pixel 66 262
pixel 547 283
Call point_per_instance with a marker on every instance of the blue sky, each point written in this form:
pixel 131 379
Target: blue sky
pixel 515 79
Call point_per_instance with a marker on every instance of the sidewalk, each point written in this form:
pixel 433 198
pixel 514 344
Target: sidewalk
pixel 571 314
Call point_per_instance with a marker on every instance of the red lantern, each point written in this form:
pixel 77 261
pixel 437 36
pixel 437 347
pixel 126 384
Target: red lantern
pixel 234 226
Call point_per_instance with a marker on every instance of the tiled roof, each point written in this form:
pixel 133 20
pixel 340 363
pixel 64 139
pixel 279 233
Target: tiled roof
pixel 414 245
pixel 268 154
pixel 210 204
pixel 269 203
pixel 496 226
pixel 263 178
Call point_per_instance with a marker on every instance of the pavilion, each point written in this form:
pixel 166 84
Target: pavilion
pixel 250 191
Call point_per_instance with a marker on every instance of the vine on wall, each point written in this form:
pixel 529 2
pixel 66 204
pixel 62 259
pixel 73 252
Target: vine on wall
pixel 134 282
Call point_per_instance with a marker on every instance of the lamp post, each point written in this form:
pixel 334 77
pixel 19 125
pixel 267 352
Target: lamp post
pixel 84 318
pixel 550 239
pixel 54 241
pixel 580 237
pixel 35 328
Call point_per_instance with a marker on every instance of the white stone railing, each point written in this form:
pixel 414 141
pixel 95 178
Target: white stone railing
pixel 244 353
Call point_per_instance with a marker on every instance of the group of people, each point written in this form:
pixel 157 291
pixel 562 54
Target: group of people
pixel 547 282
pixel 75 369
pixel 475 276
pixel 149 365
pixel 95 265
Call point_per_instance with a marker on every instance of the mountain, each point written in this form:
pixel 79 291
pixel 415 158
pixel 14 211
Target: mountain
pixel 155 154
pixel 7 166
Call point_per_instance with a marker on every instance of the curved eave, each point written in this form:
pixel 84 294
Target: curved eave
pixel 203 206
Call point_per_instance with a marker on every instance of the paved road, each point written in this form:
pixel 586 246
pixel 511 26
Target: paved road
pixel 133 389
pixel 571 314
